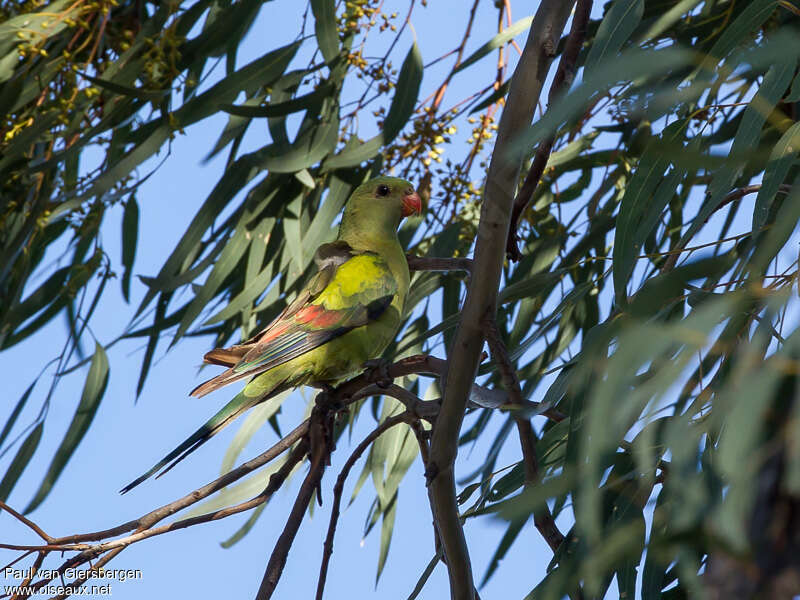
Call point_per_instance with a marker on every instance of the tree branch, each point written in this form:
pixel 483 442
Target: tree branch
pixel 501 182
pixel 162 512
pixel 736 194
pixel 562 80
pixel 542 518
pixel 25 521
pixel 338 488
pixel 426 263
pixel 307 434
pixel 321 446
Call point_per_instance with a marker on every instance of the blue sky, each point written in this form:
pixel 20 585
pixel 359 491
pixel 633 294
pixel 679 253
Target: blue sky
pixel 127 437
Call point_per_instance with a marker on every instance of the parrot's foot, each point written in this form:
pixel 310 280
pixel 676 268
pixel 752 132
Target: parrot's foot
pixel 378 372
pixel 327 396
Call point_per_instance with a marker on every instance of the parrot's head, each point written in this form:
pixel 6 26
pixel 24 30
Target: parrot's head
pixel 380 204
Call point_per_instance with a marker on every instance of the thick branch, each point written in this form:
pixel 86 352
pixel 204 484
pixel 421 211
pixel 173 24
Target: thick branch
pixel 526 86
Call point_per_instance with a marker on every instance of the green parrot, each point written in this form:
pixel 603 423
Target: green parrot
pixel 345 316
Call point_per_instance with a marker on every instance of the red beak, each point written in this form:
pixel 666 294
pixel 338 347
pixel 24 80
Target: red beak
pixel 412 204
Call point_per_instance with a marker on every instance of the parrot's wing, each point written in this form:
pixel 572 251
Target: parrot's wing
pixel 327 258
pixel 350 290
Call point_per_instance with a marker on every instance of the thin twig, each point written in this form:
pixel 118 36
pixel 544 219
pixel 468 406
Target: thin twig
pixel 417 407
pixel 25 521
pixel 542 518
pixel 439 95
pixel 33 570
pixel 276 480
pixel 162 512
pixel 95 568
pixel 561 81
pixel 737 194
pixel 424 263
pixel 321 424
pixel 338 488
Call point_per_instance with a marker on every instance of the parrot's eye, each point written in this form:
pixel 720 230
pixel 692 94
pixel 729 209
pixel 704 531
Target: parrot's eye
pixel 383 190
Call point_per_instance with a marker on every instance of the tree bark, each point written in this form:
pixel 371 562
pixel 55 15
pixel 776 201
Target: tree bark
pixel 501 183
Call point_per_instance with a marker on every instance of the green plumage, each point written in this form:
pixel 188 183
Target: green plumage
pixel 346 315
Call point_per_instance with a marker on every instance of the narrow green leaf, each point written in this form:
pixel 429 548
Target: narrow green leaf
pixel 654 570
pixel 244 489
pixel 780 161
pixel 245 528
pixel 262 71
pixel 571 151
pixel 667 288
pixel 50 290
pixel 130 240
pixel 617 26
pixel 310 146
pixel 252 423
pixel 281 109
pixel 320 230
pixel 423 579
pixel 387 528
pixel 754 15
pixel 233 252
pixel 20 461
pixel 225 22
pixel 325 28
pixel 292 231
pixel 235 128
pixel 747 135
pixel 15 413
pixel 508 538
pixel 778 235
pixel 125 90
pixel 501 38
pixel 93 390
pixel 11 91
pixel 636 202
pixel 405 96
pixel 794 93
pixel 669 18
pixel 492 98
pixel 159 324
pixel 245 298
pixel 746 406
pixel 304 177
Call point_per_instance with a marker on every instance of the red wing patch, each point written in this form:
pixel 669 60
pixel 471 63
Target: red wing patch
pixel 318 316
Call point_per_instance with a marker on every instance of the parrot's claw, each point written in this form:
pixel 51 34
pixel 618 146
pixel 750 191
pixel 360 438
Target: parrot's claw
pixel 378 372
pixel 327 396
